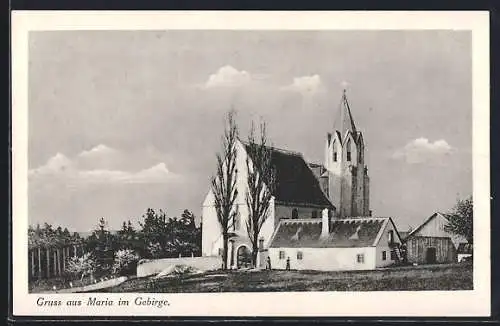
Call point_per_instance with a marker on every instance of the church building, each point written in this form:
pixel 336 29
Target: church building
pixel 313 207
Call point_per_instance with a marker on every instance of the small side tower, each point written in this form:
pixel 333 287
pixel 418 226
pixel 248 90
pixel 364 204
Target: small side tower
pixel 348 180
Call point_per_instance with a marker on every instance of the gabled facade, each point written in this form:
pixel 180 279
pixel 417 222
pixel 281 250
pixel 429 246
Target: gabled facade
pixel 434 226
pixel 429 243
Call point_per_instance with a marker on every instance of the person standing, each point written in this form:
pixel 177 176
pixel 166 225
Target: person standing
pixel 268 263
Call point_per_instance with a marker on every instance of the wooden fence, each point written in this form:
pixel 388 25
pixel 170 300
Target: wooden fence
pixel 47 262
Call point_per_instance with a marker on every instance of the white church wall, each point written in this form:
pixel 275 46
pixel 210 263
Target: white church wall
pixel 211 233
pixel 267 229
pixel 242 187
pixel 324 259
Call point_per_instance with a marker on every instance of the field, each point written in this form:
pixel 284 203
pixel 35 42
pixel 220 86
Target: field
pixel 410 278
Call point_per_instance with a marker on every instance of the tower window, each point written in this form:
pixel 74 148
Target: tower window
pixel 237 222
pixel 295 213
pixel 348 150
pixel 335 157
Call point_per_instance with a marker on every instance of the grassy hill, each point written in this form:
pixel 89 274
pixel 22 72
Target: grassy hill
pixel 410 278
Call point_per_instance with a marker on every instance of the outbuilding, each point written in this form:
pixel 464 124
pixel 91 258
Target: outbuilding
pixel 430 243
pixel 357 243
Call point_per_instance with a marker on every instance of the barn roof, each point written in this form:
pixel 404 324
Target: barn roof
pixel 295 181
pixel 427 220
pixel 344 233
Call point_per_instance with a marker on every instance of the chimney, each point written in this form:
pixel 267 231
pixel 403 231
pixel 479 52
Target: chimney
pixel 325 223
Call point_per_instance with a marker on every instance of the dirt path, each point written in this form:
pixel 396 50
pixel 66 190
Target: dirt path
pixel 92 287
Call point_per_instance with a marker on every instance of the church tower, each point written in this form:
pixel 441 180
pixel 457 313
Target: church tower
pixel 348 181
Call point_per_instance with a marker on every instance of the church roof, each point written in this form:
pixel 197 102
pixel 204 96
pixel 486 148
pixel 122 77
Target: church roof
pixel 295 181
pixel 344 233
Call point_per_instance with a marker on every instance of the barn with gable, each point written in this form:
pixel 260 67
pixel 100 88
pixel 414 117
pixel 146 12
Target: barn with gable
pixel 430 243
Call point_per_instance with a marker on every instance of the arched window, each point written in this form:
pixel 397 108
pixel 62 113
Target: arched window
pixel 334 146
pixel 295 213
pixel 237 222
pixel 348 150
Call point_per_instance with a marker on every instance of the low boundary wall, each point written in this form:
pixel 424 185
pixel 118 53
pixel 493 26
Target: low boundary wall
pixel 154 267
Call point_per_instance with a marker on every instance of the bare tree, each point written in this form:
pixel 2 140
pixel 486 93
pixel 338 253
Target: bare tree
pixel 224 183
pixel 261 183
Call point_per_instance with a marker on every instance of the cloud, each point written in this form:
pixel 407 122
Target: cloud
pixel 59 163
pixel 345 84
pixel 306 85
pixel 228 76
pixel 102 157
pixel 99 150
pixel 155 174
pixel 77 170
pixel 421 150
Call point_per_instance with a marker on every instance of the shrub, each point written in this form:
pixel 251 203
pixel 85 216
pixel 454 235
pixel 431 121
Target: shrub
pixel 183 269
pixel 155 250
pixel 125 262
pixel 81 266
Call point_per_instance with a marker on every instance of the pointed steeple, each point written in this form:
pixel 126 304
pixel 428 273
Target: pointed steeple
pixel 344 120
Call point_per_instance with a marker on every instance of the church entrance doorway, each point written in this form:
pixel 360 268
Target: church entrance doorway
pixel 244 257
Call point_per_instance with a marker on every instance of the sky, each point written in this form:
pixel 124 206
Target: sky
pixel 120 121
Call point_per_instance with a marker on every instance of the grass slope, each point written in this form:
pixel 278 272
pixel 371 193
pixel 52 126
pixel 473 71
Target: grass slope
pixel 434 277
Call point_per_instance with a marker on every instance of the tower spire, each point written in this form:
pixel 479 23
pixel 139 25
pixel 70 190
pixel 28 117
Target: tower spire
pixel 344 120
pixel 348 181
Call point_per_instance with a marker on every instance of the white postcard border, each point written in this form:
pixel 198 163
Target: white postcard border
pixel 423 303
